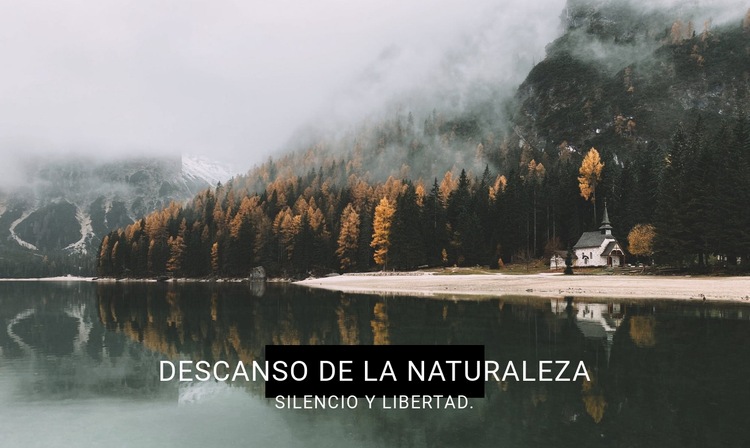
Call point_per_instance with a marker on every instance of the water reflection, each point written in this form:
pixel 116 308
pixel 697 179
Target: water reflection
pixel 596 321
pixel 53 347
pixel 663 373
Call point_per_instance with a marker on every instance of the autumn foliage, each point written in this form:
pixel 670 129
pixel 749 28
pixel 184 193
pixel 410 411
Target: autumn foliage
pixel 337 216
pixel 641 240
pixel 590 174
pixel 381 237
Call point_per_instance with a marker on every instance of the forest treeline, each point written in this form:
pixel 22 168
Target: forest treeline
pixel 333 219
pixel 16 264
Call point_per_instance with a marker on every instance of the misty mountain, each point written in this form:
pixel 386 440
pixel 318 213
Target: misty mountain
pixel 620 75
pixel 65 205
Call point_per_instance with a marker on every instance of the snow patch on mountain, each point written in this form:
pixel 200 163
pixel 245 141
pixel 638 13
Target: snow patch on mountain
pixel 87 232
pixel 67 204
pixel 15 236
pixel 202 168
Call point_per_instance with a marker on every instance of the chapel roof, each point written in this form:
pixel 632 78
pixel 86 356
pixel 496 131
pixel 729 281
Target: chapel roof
pixel 592 239
pixel 598 237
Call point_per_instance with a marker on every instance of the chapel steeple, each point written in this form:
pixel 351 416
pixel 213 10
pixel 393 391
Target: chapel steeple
pixel 606 227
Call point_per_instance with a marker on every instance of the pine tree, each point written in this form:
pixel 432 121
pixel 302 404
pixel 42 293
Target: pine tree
pixel 407 250
pixel 177 251
pixel 513 209
pixel 321 238
pixel 482 205
pixel 348 238
pixel 105 260
pixel 239 251
pixel 153 266
pixel 672 232
pixel 458 210
pixel 286 227
pixel 741 141
pixel 176 255
pixel 434 226
pixel 698 181
pixel 215 260
pixel 303 244
pixel 116 264
pixel 365 252
pixel 535 177
pixel 728 230
pixel 381 237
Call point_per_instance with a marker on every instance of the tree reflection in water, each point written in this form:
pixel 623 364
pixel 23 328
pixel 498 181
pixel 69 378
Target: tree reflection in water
pixel 663 373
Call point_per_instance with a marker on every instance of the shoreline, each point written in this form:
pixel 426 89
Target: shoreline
pixel 479 286
pixel 141 280
pixel 60 278
pixel 547 285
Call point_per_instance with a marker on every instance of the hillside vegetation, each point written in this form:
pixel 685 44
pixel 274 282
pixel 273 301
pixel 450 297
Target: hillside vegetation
pixel 661 99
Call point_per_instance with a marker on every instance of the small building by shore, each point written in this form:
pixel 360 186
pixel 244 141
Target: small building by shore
pixel 557 260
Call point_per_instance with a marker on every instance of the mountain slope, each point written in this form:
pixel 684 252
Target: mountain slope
pixel 69 204
pixel 620 77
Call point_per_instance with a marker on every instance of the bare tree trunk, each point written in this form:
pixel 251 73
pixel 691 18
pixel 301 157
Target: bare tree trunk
pixel 535 252
pixel 528 231
pixel 593 197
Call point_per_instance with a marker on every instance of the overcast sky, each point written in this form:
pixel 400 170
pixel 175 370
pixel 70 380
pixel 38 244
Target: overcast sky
pixel 234 79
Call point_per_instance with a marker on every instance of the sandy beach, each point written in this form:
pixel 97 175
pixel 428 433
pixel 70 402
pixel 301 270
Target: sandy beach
pixel 61 278
pixel 735 289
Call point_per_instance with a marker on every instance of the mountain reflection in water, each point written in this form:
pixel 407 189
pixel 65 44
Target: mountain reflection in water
pixel 663 373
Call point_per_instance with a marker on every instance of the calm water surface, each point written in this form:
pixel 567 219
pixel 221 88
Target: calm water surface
pixel 79 368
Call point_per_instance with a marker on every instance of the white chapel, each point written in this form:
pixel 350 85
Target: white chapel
pixel 599 248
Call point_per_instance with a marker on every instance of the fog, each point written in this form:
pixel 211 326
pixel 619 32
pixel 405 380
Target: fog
pixel 235 80
pixel 232 80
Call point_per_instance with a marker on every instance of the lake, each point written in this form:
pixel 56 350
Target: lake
pixel 79 367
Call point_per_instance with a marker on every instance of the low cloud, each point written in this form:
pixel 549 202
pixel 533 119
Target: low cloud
pixel 234 80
